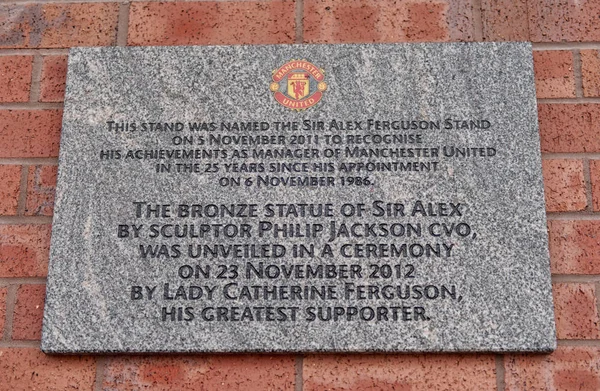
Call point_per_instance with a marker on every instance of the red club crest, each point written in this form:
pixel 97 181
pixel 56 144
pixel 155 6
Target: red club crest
pixel 298 84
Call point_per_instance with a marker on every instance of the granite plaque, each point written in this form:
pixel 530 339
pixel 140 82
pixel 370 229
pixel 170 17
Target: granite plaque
pixel 364 198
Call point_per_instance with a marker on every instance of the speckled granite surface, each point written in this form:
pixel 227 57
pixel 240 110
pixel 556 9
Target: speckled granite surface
pixel 402 210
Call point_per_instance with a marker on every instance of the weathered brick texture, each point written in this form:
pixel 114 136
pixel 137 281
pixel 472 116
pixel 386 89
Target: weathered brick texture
pixel 58 25
pixel 3 293
pixel 15 78
pixel 24 250
pixel 595 179
pixel 563 20
pixel 567 369
pixel 211 23
pixel 569 127
pixel 574 246
pixel 564 185
pixel 25 369
pixel 590 72
pixel 29 308
pixel 541 20
pixel 554 74
pixel 54 78
pixel 10 178
pixel 504 20
pixel 29 133
pixel 41 184
pixel 211 372
pixel 399 372
pixel 576 311
pixel 334 21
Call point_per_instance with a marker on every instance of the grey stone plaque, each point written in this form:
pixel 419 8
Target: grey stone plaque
pixel 300 198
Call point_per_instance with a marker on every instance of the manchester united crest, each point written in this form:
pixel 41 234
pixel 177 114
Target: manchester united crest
pixel 298 84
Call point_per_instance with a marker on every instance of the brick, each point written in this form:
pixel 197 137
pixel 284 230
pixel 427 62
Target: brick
pixel 24 369
pixel 564 185
pixel 10 180
pixel 24 250
pixel 554 76
pixel 459 15
pixel 29 311
pixel 426 22
pixel 335 21
pixel 15 78
pixel 574 246
pixel 58 25
pixel 41 185
pixel 3 293
pixel 399 372
pixel 210 22
pixel 595 179
pixel 575 311
pixel 590 72
pixel 504 20
pixel 569 127
pixel 569 368
pixel 563 20
pixel 54 79
pixel 30 133
pixel 242 372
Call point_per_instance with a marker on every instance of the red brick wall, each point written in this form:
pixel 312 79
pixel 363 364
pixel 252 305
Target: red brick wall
pixel 34 38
